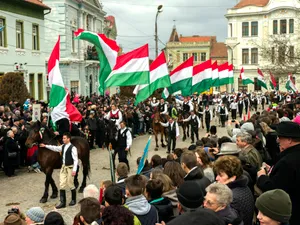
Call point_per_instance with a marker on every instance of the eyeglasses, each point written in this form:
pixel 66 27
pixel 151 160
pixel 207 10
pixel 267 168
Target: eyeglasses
pixel 209 203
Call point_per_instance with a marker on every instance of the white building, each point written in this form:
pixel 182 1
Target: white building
pixel 250 25
pixel 22 42
pixel 78 67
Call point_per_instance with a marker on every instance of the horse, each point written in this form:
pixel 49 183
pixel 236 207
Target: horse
pixel 50 160
pixel 185 125
pixel 158 128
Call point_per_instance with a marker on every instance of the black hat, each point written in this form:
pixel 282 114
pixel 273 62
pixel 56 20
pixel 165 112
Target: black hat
pixel 288 129
pixel 189 195
pixel 192 147
pixel 54 218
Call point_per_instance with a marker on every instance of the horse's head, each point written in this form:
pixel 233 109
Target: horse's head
pixel 111 129
pixel 35 134
pixel 156 118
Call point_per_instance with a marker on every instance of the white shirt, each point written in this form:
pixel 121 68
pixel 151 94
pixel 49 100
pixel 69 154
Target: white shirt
pixel 193 117
pixel 233 105
pixel 118 121
pixel 59 149
pixel 128 137
pixel 167 124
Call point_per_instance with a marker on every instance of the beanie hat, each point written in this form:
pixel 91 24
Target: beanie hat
pixel 54 218
pixel 275 204
pixel 190 195
pixel 36 214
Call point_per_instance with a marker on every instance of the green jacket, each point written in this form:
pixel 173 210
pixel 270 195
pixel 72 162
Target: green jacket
pixel 135 219
pixel 174 113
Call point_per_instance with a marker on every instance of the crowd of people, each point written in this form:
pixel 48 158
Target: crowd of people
pixel 249 176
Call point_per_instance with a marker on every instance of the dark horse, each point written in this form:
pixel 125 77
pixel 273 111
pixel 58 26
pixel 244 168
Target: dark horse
pixel 185 125
pixel 110 137
pixel 158 128
pixel 50 160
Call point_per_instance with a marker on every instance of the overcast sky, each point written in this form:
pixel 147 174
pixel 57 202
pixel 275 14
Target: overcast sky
pixel 135 20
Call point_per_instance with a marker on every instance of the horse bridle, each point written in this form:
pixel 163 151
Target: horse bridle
pixel 41 132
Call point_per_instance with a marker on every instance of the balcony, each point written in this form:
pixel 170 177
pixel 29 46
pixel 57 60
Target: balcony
pixel 91 53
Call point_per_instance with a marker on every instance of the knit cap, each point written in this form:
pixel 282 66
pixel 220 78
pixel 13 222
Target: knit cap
pixel 36 214
pixel 189 195
pixel 275 204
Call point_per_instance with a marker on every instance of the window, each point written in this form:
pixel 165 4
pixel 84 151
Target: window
pixel 35 37
pixel 245 56
pixel 245 29
pixel 19 35
pixel 273 55
pixel 230 30
pixel 75 86
pixel 256 86
pixel 203 56
pixel 291 24
pixel 281 54
pixel 195 55
pixel 254 56
pixel 2 33
pixel 185 56
pixel 291 54
pixel 275 26
pixel 283 26
pixel 254 28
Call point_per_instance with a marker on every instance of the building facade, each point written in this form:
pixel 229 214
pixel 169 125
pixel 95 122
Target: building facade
pixel 79 60
pixel 22 42
pixel 251 26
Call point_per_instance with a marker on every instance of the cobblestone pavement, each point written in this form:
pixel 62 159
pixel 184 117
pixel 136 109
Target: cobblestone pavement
pixel 26 189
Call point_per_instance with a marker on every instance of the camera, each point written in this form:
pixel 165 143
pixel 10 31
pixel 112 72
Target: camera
pixel 13 210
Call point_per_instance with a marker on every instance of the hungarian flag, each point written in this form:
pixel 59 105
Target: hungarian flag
pixel 131 68
pixel 59 95
pixel 159 78
pixel 107 50
pixel 245 80
pixel 261 79
pixel 215 75
pixel 202 75
pixel 290 84
pixel 273 83
pixel 230 74
pixel 181 79
pixel 223 74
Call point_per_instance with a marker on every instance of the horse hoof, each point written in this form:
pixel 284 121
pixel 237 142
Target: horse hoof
pixel 163 146
pixel 43 200
pixel 81 190
pixel 156 149
pixel 54 195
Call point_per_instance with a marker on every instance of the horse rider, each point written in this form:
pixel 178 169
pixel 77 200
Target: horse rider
pixel 187 106
pixel 195 125
pixel 173 133
pixel 195 99
pixel 162 108
pixel 62 126
pixel 68 169
pixel 124 143
pixel 114 115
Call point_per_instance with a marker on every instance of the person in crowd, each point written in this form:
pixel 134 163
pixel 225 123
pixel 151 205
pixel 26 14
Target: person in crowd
pixel 233 107
pixel 218 198
pixel 92 125
pixel 11 154
pixel 208 116
pixel 173 133
pixel 154 191
pixel 115 115
pixel 174 171
pixel 248 152
pixel 156 161
pixel 205 163
pixel 136 201
pixel 13 218
pixel 177 154
pixel 117 215
pixel 229 171
pixel 122 174
pixel 285 174
pixel 68 169
pixel 274 207
pixel 90 211
pixel 195 125
pixel 213 134
pixel 91 191
pixel 54 218
pixel 146 169
pixel 35 215
pixel 223 113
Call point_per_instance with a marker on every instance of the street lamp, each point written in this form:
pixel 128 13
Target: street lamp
pixel 159 10
pixel 232 48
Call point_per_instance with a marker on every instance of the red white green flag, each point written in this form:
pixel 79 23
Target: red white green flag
pixel 131 68
pixel 59 95
pixel 273 82
pixel 290 84
pixel 202 76
pixel 261 79
pixel 107 50
pixel 245 80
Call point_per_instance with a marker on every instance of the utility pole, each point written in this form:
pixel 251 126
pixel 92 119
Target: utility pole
pixel 159 10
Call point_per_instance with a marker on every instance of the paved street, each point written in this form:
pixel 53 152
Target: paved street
pixel 26 189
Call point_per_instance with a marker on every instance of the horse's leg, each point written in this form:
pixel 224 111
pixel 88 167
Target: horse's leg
pixel 156 141
pixel 162 139
pixel 46 191
pixel 184 132
pixel 53 186
pixel 76 183
pixel 85 171
pixel 188 130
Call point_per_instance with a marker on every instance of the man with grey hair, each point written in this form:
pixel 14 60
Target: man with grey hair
pixel 218 198
pixel 248 153
pixel 11 154
pixel 91 191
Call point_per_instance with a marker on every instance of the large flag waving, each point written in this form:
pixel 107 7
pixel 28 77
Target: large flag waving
pixel 131 68
pixel 215 75
pixel 245 80
pixel 107 50
pixel 273 83
pixel 59 95
pixel 230 74
pixel 223 74
pixel 159 78
pixel 290 84
pixel 202 75
pixel 261 79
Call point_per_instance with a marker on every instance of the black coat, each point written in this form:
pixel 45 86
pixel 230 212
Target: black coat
pixel 11 146
pixel 243 200
pixel 197 176
pixel 285 175
pixel 164 208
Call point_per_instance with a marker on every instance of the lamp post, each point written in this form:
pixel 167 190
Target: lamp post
pixel 231 49
pixel 159 10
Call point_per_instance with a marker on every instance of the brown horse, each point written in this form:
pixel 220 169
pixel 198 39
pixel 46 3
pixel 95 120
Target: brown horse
pixel 50 160
pixel 158 128
pixel 185 125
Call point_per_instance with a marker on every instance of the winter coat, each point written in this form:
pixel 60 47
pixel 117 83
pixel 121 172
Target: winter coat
pixel 243 200
pixel 164 208
pixel 251 156
pixel 196 175
pixel 11 146
pixel 92 123
pixel 172 196
pixel 272 146
pixel 285 175
pixel 230 216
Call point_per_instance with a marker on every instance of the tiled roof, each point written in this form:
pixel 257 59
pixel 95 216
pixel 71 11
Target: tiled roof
pixel 244 3
pixel 195 38
pixel 218 50
pixel 38 3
